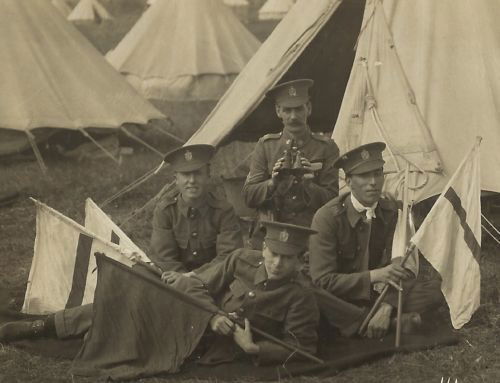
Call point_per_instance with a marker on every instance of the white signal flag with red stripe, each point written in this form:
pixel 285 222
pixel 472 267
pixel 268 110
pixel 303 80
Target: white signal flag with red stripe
pixel 450 238
pixel 63 272
pixel 98 223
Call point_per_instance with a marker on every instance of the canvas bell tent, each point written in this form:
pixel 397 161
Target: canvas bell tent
pixel 275 9
pixel 422 81
pixel 53 78
pixel 295 49
pixel 89 11
pixel 240 8
pixel 184 53
pixel 62 6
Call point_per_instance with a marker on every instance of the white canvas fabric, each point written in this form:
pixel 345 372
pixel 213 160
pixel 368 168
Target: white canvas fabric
pixel 63 271
pixel 98 223
pixel 275 9
pixel 424 81
pixel 62 7
pixel 236 3
pixel 53 77
pixel 450 239
pixel 88 11
pixel 276 55
pixel 194 56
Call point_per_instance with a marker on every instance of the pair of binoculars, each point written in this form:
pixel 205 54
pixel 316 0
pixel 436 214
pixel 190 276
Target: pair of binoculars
pixel 292 164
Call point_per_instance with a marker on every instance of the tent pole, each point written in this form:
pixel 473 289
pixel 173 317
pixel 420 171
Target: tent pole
pixel 133 136
pixel 152 202
pixel 405 235
pixel 130 187
pixel 107 152
pixel 38 155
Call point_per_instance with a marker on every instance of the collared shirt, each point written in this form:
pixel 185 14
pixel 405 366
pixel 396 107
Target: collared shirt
pixel 285 308
pixel 359 207
pixel 186 238
pixel 336 252
pixel 293 201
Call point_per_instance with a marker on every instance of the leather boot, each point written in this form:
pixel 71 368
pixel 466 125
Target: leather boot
pixel 13 331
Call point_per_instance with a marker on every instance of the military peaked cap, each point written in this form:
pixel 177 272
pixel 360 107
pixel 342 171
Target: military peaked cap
pixel 285 238
pixel 292 93
pixel 363 159
pixel 190 157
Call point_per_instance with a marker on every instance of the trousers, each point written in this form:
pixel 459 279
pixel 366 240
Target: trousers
pixel 347 317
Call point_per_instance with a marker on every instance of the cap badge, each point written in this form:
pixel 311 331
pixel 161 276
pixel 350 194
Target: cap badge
pixel 188 155
pixel 284 236
pixel 292 91
pixel 365 155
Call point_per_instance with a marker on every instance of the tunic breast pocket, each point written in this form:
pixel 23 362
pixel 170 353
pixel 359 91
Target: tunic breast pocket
pixel 346 258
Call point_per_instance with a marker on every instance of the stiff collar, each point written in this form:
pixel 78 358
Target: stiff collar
pixel 354 216
pixel 360 208
pixel 185 208
pixel 300 140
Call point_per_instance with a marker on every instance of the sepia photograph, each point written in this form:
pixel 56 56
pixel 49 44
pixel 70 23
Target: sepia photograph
pixel 250 191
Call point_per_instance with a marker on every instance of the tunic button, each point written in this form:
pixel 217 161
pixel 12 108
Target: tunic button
pixel 195 252
pixel 260 263
pixel 241 310
pixel 293 214
pixel 251 294
pixel 294 197
pixel 359 248
pixel 288 142
pixel 194 234
pixel 295 182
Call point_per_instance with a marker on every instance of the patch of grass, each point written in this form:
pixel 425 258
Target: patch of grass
pixel 475 359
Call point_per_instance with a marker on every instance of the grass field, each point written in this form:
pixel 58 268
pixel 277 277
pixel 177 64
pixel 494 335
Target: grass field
pixel 475 359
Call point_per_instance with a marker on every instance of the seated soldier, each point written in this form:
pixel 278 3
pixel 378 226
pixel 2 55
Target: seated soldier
pixel 192 229
pixel 263 288
pixel 350 256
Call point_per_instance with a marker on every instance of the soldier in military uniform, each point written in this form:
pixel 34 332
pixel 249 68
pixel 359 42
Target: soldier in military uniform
pixel 351 254
pixel 295 196
pixel 264 288
pixel 192 229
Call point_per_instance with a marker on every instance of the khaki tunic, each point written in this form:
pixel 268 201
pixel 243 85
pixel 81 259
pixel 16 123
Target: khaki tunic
pixel 285 308
pixel 292 201
pixel 190 239
pixel 340 265
pixel 337 253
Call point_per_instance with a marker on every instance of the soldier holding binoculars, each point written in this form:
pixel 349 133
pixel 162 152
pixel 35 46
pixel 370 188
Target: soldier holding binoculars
pixel 291 173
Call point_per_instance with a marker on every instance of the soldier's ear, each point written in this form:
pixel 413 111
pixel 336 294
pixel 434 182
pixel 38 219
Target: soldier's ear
pixel 348 180
pixel 278 110
pixel 309 108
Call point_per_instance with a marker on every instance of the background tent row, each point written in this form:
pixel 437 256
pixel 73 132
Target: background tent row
pixel 89 11
pixel 275 9
pixel 53 78
pixel 423 81
pixel 184 51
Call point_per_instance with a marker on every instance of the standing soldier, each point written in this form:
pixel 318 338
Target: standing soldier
pixel 291 173
pixel 192 229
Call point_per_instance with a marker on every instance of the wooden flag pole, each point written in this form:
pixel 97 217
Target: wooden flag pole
pixel 405 235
